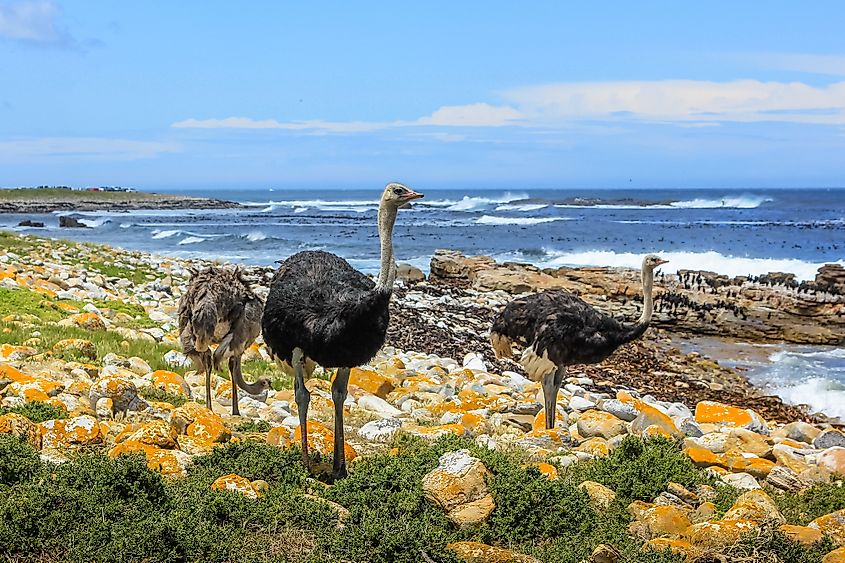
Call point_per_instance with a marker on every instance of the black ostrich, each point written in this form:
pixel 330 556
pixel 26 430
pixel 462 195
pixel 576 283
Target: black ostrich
pixel 558 329
pixel 219 307
pixel 321 308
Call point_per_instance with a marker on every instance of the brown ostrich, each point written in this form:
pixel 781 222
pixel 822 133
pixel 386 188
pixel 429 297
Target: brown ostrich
pixel 219 307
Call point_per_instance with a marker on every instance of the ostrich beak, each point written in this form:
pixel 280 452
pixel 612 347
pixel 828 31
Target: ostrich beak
pixel 412 195
pixel 661 261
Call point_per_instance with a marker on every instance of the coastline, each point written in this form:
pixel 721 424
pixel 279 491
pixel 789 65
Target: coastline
pixel 34 201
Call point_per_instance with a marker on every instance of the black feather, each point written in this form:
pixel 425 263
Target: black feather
pixel 319 303
pixel 570 330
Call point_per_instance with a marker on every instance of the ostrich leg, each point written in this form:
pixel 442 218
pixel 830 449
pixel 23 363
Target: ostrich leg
pixel 303 398
pixel 206 363
pixel 234 378
pixel 551 385
pixel 339 391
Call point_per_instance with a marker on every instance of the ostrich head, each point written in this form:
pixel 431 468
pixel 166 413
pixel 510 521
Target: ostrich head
pixel 396 195
pixel 652 261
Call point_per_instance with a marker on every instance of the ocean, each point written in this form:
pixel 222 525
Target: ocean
pixel 733 232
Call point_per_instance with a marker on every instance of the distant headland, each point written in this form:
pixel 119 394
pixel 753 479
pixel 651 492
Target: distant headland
pixel 47 199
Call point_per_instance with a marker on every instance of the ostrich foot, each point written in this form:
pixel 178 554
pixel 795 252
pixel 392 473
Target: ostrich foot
pixel 303 398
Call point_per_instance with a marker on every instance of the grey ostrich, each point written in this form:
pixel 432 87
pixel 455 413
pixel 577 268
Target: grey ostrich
pixel 321 308
pixel 220 308
pixel 558 329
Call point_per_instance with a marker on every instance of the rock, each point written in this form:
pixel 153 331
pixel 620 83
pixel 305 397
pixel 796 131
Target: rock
pixel 833 459
pixel 79 346
pixel 788 458
pixel 742 481
pixel 651 417
pixel 176 358
pixel 600 496
pixel 784 479
pixel 409 273
pixel 88 321
pixel 727 415
pixel 458 485
pixel 581 404
pixel 22 427
pixel 755 505
pixel 831 525
pixel 835 556
pixel 380 431
pixel 679 547
pixel 621 410
pixel 604 553
pixel 598 423
pixel 138 366
pixel 653 521
pixel 828 439
pixel 71 432
pixel 171 382
pixel 68 222
pixel 371 381
pixel 741 441
pixel 801 534
pixel 704 458
pixel 474 552
pixel 237 484
pixel 321 439
pixel 30 223
pixel 122 392
pixel 718 534
pixel 378 406
pixel 158 433
pixel 340 511
pixel 474 361
pixel 799 431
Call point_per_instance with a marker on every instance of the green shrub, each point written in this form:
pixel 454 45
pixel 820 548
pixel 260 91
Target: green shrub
pixel 254 426
pixel 19 462
pixel 806 506
pixel 37 411
pixel 155 394
pixel 252 460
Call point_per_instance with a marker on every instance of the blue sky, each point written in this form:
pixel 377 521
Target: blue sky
pixel 439 94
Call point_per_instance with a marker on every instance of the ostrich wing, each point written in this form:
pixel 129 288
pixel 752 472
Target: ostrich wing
pixel 560 324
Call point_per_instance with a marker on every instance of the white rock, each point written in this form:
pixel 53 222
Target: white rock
pixel 580 403
pixel 291 422
pixel 378 406
pixel 474 361
pixel 380 431
pixel 486 441
pixel 176 358
pixel 742 481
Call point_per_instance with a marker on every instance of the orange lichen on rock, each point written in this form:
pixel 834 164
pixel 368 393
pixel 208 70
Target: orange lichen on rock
pixel 831 525
pixel 703 457
pixel 321 439
pixel 171 382
pixel 17 425
pixel 78 431
pixel 236 483
pixel 719 533
pixel 88 321
pixel 279 436
pixel 371 381
pixel 718 413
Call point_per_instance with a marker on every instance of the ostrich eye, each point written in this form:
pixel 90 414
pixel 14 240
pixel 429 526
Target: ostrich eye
pixel 397 191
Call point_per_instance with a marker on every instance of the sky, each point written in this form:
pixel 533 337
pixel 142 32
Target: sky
pixel 208 94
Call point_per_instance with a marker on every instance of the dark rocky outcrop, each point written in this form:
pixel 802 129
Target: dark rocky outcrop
pixel 29 223
pixel 66 221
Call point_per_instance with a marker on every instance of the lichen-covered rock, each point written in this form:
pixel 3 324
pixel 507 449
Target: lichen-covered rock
pixel 17 425
pixel 208 427
pixel 158 433
pixel 600 496
pixel 77 346
pixel 371 382
pixel 676 546
pixel 833 459
pixel 595 423
pixel 711 412
pixel 829 438
pixel 755 505
pixel 658 521
pixel 804 535
pixel 70 432
pixel 170 463
pixel 170 382
pixel 122 392
pixel 237 484
pixel 458 485
pixel 831 525
pixel 718 534
pixel 88 321
pixel 475 552
pixel 321 439
pixel 380 431
pixel 835 556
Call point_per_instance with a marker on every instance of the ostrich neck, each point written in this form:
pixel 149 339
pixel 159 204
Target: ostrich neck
pixel 386 219
pixel 648 302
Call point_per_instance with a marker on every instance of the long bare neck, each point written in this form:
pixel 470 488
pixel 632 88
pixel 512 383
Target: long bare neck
pixel 648 301
pixel 386 220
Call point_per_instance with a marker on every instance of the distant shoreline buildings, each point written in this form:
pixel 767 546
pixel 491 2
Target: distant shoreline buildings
pixel 86 189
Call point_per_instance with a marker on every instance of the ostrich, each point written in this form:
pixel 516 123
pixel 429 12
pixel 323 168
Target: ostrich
pixel 558 329
pixel 220 308
pixel 322 309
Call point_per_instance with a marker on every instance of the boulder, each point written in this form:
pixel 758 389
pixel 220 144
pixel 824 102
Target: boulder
pixel 475 552
pixel 726 415
pixel 718 534
pixel 22 427
pixel 755 505
pixel 236 484
pixel 408 273
pixel 30 223
pixel 831 525
pixel 458 485
pixel 599 423
pixel 66 221
pixel 600 496
pixel 829 438
pixel 833 459
pixel 71 432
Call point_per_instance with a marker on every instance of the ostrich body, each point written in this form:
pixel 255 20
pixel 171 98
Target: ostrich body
pixel 321 309
pixel 220 308
pixel 558 329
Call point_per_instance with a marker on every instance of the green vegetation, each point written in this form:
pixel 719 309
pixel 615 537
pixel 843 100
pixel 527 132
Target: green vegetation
pixel 60 195
pixel 155 394
pixel 36 411
pixel 140 318
pixel 99 509
pixel 254 426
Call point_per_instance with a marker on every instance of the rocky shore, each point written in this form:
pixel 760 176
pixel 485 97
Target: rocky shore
pixel 89 337
pixel 34 201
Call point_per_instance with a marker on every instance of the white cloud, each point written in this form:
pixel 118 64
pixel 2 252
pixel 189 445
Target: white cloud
pixel 32 21
pixel 87 148
pixel 473 115
pixel 686 103
pixel 682 101
pixel 831 65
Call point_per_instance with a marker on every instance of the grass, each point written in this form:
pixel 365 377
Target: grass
pixel 98 509
pixel 155 394
pixel 54 195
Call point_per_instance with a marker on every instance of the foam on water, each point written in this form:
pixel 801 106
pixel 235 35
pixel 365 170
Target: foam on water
pixel 191 240
pixel 744 201
pixel 522 207
pixel 710 261
pixel 496 220
pixel 157 234
pixel 255 236
pixel 469 203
